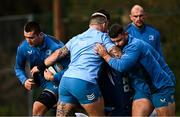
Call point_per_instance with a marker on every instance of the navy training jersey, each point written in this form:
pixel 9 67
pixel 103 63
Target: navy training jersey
pixel 138 51
pixel 148 34
pixel 116 91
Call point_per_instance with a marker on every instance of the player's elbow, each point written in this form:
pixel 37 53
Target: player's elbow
pixel 57 53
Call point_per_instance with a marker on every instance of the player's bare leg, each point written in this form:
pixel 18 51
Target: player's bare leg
pixel 141 107
pixel 64 109
pixel 96 108
pixel 167 110
pixel 39 109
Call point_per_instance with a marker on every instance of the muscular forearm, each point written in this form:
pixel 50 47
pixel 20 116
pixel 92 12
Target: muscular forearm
pixel 115 52
pixel 101 50
pixel 106 57
pixel 52 58
pixel 56 55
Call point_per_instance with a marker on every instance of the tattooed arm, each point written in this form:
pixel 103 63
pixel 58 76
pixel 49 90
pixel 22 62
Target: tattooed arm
pixel 115 52
pixel 59 53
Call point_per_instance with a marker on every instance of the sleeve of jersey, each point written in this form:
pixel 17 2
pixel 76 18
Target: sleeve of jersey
pixel 107 42
pixel 166 68
pixel 158 44
pixel 127 60
pixel 20 66
pixel 69 43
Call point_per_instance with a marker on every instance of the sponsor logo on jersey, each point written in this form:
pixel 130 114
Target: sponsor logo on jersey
pixel 29 52
pixel 91 96
pixel 82 43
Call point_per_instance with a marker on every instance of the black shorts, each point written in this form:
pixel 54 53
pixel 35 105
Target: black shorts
pixel 47 98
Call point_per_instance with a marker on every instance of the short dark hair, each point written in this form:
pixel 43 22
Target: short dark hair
pixel 115 30
pixel 105 12
pixel 32 26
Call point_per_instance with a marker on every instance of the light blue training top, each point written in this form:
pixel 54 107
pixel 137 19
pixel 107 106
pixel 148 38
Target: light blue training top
pixel 85 62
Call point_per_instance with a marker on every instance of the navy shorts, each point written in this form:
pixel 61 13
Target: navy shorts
pixel 163 97
pixel 74 91
pixel 160 98
pixel 51 87
pixel 49 94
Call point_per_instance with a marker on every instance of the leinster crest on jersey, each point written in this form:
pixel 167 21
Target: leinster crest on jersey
pixel 151 37
pixel 48 52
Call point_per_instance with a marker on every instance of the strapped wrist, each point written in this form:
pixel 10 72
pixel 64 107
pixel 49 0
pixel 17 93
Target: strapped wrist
pixel 41 66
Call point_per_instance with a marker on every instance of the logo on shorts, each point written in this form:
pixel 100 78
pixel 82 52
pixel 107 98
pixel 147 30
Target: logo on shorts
pixel 55 87
pixel 91 96
pixel 163 100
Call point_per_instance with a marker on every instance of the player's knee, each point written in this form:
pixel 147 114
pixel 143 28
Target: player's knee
pixel 35 109
pixel 38 109
pixel 142 107
pixel 166 110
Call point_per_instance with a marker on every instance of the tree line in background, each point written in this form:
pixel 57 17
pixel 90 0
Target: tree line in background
pixel 163 14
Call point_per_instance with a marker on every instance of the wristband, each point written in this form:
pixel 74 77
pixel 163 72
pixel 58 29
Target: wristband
pixel 41 66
